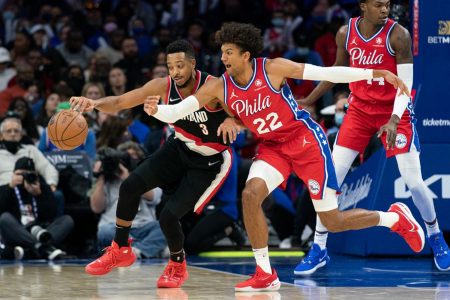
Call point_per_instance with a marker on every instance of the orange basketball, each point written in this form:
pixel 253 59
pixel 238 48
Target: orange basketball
pixel 67 129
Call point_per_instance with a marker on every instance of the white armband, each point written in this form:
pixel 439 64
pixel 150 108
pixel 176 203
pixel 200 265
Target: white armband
pixel 405 73
pixel 172 113
pixel 336 74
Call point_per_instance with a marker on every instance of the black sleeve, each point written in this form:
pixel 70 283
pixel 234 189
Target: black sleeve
pixel 46 202
pixel 8 202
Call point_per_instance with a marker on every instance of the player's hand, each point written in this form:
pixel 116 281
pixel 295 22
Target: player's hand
pixel 394 80
pixel 82 104
pixel 229 129
pixel 391 132
pixel 151 105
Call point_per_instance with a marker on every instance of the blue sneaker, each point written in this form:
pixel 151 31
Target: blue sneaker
pixel 441 251
pixel 315 259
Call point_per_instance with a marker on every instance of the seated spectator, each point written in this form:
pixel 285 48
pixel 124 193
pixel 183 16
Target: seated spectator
pixel 149 240
pixel 11 149
pixel 73 50
pixel 47 110
pixel 23 79
pixel 23 110
pixel 28 223
pixel 116 83
pixel 6 72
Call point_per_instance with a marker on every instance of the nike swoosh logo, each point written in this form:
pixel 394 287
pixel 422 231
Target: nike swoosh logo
pixel 213 163
pixel 174 99
pixel 413 226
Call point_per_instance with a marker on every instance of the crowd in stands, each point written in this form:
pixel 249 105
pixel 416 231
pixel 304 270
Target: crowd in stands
pixel 52 50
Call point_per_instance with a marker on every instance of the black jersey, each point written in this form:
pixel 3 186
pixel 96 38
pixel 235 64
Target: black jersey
pixel 199 129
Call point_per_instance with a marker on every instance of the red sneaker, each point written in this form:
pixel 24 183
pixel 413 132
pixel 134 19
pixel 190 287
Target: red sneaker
pixel 260 281
pixel 408 227
pixel 114 257
pixel 174 275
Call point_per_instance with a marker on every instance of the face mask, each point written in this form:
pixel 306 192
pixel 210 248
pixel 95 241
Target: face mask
pixel 12 146
pixel 338 118
pixel 8 15
pixel 278 22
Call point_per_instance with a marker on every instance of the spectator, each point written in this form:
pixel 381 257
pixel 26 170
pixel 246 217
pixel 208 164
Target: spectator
pixel 21 107
pixel 112 50
pixel 24 79
pixel 117 82
pixel 136 68
pixel 48 109
pixel 148 239
pixel 6 72
pixel 113 132
pixel 22 44
pixel 73 51
pixel 28 222
pixel 11 150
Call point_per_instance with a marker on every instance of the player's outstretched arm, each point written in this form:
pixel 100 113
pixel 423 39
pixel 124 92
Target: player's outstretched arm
pixel 209 91
pixel 281 67
pixel 116 103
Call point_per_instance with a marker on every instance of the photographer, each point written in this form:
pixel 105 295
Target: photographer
pixel 112 169
pixel 28 223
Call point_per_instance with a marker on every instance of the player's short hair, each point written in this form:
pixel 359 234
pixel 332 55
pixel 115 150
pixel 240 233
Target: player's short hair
pixel 181 46
pixel 245 36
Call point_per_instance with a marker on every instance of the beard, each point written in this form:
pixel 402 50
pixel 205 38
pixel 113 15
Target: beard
pixel 186 83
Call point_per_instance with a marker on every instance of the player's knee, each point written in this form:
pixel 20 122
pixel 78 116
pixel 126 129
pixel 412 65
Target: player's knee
pixel 133 186
pixel 249 198
pixel 167 218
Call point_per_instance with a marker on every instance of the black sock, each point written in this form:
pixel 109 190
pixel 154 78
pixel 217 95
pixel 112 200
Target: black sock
pixel 432 222
pixel 121 237
pixel 177 256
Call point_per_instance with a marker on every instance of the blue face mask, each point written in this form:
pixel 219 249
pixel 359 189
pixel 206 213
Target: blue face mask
pixel 338 118
pixel 8 15
pixel 278 22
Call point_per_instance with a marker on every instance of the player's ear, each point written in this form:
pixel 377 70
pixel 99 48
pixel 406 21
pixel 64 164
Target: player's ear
pixel 193 62
pixel 246 55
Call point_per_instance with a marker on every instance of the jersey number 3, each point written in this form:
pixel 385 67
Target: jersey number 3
pixel 269 124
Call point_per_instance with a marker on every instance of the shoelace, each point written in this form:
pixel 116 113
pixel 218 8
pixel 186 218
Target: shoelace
pixel 173 271
pixel 440 249
pixel 110 253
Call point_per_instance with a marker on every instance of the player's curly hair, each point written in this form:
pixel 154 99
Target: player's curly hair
pixel 245 36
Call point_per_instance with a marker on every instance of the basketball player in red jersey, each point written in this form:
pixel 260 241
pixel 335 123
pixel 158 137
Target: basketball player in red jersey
pixel 374 41
pixel 254 90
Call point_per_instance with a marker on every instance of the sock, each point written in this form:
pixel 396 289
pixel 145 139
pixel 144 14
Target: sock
pixel 177 256
pixel 388 219
pixel 121 237
pixel 432 227
pixel 262 259
pixel 321 234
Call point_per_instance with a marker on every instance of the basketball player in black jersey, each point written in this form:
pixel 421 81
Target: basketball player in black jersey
pixel 192 164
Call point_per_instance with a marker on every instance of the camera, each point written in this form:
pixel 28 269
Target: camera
pixel 30 177
pixel 110 159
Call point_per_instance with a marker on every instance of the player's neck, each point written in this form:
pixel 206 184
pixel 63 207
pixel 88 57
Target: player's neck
pixel 368 29
pixel 244 77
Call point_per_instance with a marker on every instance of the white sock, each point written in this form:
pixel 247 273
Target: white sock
pixel 321 234
pixel 432 228
pixel 388 219
pixel 262 259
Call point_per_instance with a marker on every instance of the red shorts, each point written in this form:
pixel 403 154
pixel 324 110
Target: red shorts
pixel 360 125
pixel 306 153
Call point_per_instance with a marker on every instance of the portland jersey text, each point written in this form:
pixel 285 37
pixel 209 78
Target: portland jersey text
pixel 199 129
pixel 372 53
pixel 269 113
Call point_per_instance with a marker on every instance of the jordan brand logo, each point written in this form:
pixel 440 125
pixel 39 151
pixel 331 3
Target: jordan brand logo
pixel 305 142
pixel 353 42
pixel 233 95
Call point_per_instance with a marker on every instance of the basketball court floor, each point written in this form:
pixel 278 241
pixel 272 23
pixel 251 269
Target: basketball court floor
pixel 347 277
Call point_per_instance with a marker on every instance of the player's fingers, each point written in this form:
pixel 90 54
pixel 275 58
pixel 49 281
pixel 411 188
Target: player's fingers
pixel 380 133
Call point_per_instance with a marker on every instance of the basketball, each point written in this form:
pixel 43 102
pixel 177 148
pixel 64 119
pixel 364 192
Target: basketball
pixel 67 129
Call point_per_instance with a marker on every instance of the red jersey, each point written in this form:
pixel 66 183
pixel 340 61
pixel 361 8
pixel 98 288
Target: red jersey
pixel 372 53
pixel 269 113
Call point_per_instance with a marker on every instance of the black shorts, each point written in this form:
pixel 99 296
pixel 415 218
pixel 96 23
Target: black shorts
pixel 188 178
